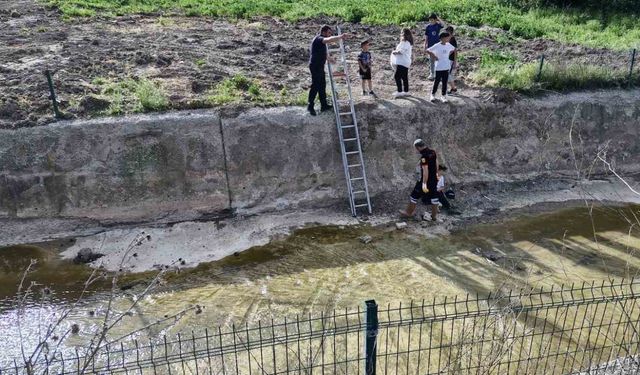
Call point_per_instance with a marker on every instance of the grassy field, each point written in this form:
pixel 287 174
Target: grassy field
pixel 502 69
pixel 573 26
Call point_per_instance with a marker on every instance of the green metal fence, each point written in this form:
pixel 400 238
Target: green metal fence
pixel 587 328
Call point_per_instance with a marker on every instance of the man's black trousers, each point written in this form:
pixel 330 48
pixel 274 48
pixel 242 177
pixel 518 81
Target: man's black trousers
pixel 318 86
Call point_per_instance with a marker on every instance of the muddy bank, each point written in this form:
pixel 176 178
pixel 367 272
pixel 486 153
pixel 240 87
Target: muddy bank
pixel 188 244
pixel 188 165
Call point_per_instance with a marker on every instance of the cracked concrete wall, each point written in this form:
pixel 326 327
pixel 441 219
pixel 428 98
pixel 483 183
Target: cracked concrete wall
pixel 191 164
pixel 123 169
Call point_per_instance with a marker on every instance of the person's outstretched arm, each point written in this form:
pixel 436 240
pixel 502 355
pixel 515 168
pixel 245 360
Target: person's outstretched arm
pixel 333 39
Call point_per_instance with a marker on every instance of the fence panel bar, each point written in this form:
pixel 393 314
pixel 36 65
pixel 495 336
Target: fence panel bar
pixel 631 64
pixel 371 337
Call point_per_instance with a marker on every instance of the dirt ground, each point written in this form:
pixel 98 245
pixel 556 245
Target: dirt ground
pixel 189 56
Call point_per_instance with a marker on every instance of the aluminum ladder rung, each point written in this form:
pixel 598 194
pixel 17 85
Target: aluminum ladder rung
pixel 353 140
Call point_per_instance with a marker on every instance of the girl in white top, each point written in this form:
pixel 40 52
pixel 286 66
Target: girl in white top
pixel 401 61
pixel 440 52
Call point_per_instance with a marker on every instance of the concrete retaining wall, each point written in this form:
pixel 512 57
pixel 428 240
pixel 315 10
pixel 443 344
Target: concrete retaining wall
pixel 197 163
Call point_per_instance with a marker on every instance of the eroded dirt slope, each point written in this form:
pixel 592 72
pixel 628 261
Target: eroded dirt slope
pixel 188 56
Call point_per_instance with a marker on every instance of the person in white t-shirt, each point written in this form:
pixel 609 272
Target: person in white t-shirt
pixel 440 52
pixel 400 60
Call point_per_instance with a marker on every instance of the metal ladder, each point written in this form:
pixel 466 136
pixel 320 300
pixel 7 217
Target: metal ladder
pixel 350 147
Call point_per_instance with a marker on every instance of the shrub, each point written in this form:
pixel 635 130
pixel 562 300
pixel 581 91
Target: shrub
pixel 151 96
pixel 131 95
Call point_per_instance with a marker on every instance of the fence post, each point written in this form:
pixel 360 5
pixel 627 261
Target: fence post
pixel 539 76
pixel 631 63
pixel 371 336
pixel 52 94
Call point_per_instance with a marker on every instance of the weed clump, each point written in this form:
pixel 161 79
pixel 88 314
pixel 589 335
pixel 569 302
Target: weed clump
pixel 132 96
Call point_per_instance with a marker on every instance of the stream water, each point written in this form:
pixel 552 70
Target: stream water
pixel 324 268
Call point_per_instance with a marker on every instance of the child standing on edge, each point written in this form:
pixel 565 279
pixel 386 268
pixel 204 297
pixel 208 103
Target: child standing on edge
pixel 440 53
pixel 364 65
pixel 454 61
pixel 432 32
pixel 401 62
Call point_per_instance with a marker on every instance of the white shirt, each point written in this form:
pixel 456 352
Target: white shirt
pixel 404 57
pixel 440 185
pixel 442 52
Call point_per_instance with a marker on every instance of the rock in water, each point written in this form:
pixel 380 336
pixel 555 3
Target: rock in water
pixel 365 239
pixel 401 225
pixel 86 255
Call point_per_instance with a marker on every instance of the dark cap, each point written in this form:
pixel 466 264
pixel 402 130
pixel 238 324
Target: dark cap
pixel 364 42
pixel 444 35
pixel 433 16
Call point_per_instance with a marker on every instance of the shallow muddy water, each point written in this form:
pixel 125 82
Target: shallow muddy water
pixel 319 269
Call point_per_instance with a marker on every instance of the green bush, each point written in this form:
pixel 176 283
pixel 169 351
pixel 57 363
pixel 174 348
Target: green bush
pixel 151 96
pixel 130 96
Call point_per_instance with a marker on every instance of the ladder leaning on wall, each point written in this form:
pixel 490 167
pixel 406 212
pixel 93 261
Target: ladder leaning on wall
pixel 348 133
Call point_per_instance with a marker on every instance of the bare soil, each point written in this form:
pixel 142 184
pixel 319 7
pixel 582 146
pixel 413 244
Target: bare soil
pixel 189 56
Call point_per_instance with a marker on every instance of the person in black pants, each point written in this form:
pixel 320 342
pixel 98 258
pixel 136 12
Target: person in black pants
pixel 440 53
pixel 317 60
pixel 426 188
pixel 401 62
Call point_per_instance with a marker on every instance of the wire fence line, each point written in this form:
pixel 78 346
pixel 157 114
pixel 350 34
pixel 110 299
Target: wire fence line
pixel 569 329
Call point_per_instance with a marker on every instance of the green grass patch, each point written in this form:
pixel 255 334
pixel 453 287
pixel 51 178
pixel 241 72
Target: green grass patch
pixel 568 25
pixel 132 96
pixel 503 70
pixel 151 96
pixel 241 89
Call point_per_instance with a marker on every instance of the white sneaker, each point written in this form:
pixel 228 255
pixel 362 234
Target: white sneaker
pixel 444 99
pixel 431 77
pixel 427 217
pixel 432 98
pixel 397 94
pixel 406 94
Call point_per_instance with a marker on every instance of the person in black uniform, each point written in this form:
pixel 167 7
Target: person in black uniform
pixel 426 188
pixel 317 60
